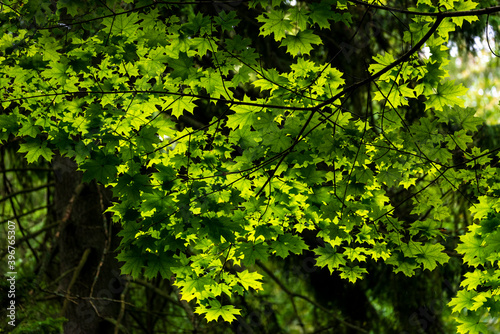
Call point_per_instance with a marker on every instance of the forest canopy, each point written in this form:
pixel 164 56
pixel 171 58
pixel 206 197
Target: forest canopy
pixel 223 143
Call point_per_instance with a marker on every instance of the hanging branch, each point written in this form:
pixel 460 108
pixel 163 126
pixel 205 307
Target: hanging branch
pixel 24 191
pixel 297 295
pixel 76 273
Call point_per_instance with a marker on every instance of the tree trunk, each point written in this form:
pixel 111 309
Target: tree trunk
pixel 88 267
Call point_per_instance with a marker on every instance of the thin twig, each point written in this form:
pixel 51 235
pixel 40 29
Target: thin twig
pixel 122 309
pixel 24 191
pixel 293 295
pixel 76 273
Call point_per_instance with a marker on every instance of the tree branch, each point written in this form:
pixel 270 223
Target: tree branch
pixel 24 191
pixel 76 273
pixel 293 295
pixel 26 214
pixel 473 12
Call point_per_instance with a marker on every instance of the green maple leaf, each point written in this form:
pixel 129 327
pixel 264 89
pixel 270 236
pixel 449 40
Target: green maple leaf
pixel 243 117
pixel 459 138
pixel 445 28
pixel 301 43
pixel 181 104
pixel 145 241
pixel 464 6
pixel 227 21
pixel 352 273
pixel 327 256
pixel 58 73
pixel 203 45
pixel 466 119
pixel 406 268
pixel 481 209
pixel 270 80
pixel 425 130
pixel 183 67
pixel 275 23
pixel 128 214
pixel 472 248
pixel 71 6
pixel 403 264
pixel 382 61
pixel 355 254
pixel 288 243
pixel 473 279
pixel 389 175
pixel 437 153
pixel 471 324
pixel 146 137
pixel 428 228
pixel 492 243
pixel 396 96
pixel 221 227
pixel 321 13
pixel 222 288
pixel 447 94
pixel 446 115
pixel 160 264
pixel 245 187
pixel 242 75
pixel 253 252
pixel 379 250
pixel 299 16
pixel 131 186
pixel 279 141
pixel 101 168
pixel 267 232
pixel 250 280
pixel 215 311
pixel 196 23
pixel 154 64
pixel 490 224
pixel 213 83
pixel 463 299
pixel 122 24
pixel 134 261
pixel 29 128
pixel 34 149
pixel 192 288
pixel 157 200
pixel 429 255
pixel 9 123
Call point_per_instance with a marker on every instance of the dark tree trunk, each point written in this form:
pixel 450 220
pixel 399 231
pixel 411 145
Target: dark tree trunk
pixel 90 273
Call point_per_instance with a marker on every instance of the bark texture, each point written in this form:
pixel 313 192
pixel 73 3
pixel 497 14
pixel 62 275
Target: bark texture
pixel 88 267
